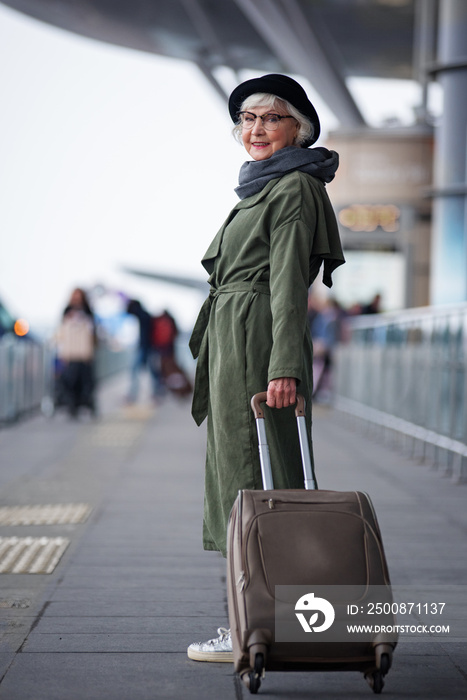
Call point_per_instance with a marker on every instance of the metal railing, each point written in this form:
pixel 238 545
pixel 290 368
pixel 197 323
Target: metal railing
pixel 27 374
pixel 23 379
pixel 406 372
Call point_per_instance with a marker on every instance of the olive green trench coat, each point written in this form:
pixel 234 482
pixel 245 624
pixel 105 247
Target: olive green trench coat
pixel 253 328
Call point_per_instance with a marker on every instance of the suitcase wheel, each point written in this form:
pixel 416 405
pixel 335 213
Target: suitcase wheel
pixel 383 658
pixel 376 681
pixel 375 678
pixel 255 683
pixel 385 664
pixel 252 679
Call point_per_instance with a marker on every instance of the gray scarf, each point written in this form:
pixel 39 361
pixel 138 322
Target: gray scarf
pixel 254 175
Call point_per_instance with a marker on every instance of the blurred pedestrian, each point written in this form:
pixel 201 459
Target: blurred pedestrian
pixel 164 336
pixel 327 327
pixel 147 356
pixel 76 344
pixel 373 307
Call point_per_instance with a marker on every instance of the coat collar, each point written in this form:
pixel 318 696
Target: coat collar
pixel 249 202
pixel 213 250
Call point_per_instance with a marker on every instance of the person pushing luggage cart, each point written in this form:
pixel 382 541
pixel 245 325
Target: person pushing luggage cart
pixel 252 331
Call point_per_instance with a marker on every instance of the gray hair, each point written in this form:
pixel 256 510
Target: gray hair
pixel 263 99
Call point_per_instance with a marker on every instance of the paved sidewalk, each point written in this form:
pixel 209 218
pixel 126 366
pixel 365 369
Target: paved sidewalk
pixel 134 588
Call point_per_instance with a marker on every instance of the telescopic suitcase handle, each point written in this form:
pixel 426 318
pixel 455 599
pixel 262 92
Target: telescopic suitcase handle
pixel 264 457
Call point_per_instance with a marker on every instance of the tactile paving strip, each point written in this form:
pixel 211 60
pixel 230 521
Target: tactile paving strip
pixel 57 514
pixel 31 555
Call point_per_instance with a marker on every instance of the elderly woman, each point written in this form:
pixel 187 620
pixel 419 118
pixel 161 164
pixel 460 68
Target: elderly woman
pixel 252 331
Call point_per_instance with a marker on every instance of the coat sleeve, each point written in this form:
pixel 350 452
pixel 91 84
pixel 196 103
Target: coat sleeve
pixel 291 246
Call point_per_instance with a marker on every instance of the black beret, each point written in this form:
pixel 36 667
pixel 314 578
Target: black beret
pixel 282 86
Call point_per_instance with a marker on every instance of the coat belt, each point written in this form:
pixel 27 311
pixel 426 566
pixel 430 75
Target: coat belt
pixel 199 342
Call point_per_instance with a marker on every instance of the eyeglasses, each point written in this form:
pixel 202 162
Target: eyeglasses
pixel 270 121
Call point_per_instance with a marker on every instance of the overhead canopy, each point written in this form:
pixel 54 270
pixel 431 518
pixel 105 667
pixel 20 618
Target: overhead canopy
pixel 325 41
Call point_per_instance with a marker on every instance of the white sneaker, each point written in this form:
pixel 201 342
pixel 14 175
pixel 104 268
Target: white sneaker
pixel 219 649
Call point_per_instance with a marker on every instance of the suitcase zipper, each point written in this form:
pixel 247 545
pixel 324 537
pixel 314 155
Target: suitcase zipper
pixel 272 502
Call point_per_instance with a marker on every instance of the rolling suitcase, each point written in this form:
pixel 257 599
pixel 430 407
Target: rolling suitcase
pixel 284 541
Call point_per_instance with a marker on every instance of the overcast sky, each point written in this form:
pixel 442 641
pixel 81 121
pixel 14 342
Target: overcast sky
pixel 111 157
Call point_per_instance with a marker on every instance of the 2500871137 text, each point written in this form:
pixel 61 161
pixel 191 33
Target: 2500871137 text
pixel 397 609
